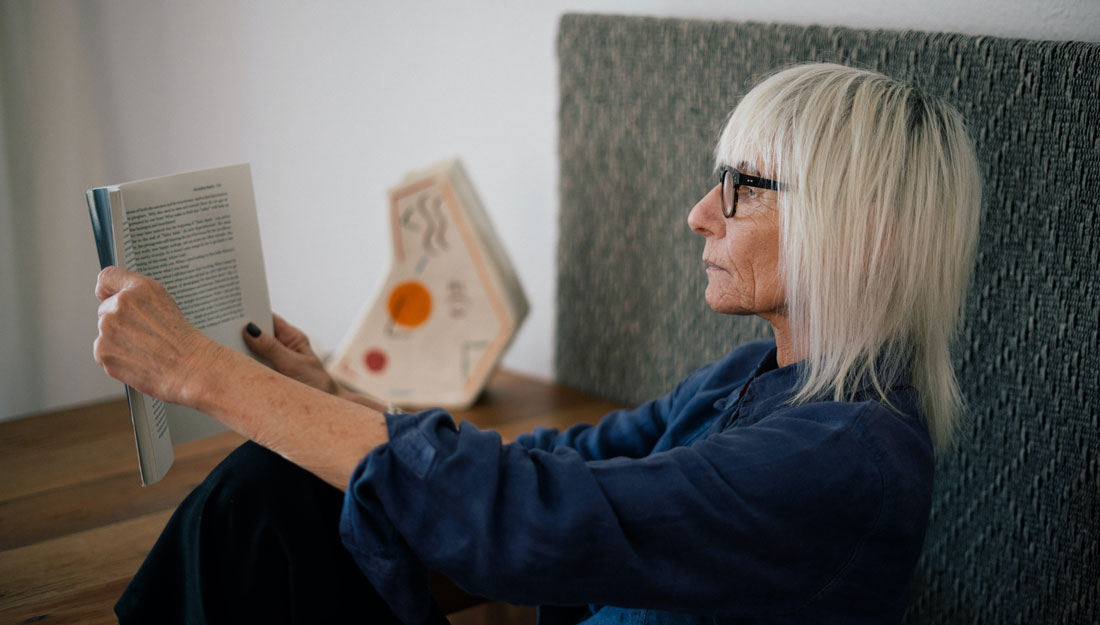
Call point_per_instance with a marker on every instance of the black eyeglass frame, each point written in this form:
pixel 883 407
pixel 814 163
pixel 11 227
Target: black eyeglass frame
pixel 738 179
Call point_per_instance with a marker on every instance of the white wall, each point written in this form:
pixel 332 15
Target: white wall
pixel 331 102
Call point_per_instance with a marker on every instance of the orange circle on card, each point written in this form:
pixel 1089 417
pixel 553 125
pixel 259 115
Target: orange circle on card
pixel 410 304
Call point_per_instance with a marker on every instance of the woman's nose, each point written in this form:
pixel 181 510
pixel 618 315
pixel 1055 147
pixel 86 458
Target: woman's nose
pixel 706 217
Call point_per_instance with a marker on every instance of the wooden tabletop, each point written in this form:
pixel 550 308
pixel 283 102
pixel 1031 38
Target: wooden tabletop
pixel 75 522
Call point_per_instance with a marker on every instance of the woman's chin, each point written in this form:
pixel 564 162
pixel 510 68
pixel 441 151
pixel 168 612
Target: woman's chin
pixel 723 303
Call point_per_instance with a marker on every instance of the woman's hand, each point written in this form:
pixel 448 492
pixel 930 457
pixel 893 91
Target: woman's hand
pixel 144 341
pixel 289 353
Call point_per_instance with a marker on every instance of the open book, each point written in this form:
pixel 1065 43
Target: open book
pixel 196 233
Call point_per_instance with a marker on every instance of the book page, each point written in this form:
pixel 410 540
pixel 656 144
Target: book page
pixel 197 234
pixel 155 454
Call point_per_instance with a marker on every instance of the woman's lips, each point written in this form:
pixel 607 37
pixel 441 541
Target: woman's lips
pixel 711 266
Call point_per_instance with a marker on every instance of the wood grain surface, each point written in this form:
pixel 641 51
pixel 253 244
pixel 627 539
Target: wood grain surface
pixel 75 522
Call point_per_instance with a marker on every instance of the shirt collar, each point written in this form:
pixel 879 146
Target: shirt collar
pixel 767 364
pixel 770 385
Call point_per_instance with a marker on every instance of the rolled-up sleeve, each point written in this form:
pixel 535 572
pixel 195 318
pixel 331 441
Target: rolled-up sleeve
pixel 728 525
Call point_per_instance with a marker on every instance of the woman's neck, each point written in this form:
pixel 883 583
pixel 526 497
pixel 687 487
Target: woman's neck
pixel 784 343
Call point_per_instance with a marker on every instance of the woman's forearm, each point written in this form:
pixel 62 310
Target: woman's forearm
pixel 369 402
pixel 323 433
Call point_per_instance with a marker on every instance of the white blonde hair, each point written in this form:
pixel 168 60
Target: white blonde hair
pixel 879 222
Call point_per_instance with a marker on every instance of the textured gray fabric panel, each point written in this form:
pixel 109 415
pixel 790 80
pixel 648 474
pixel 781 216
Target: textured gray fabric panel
pixel 1013 537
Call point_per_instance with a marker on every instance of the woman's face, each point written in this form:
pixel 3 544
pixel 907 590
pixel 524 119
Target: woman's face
pixel 741 254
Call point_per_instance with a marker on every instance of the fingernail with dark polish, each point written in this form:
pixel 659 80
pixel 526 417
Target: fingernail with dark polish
pixel 253 330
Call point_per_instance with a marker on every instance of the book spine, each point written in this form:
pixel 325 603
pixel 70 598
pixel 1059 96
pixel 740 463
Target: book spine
pixel 99 208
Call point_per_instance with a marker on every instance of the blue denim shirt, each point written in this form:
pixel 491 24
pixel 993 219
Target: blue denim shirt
pixel 717 503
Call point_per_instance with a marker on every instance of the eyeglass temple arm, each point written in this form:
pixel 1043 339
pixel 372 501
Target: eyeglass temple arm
pixel 759 183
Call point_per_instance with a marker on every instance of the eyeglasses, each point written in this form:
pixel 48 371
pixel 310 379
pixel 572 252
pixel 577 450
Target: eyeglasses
pixel 731 182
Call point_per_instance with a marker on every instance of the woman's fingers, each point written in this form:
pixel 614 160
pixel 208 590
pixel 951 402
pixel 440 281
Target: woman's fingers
pixel 144 341
pixel 266 347
pixel 281 325
pixel 291 336
pixel 287 351
pixel 112 280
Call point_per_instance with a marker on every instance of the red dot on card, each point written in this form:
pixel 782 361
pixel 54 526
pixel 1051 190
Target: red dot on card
pixel 375 360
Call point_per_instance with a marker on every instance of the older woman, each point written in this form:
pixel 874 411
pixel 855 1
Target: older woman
pixel 789 482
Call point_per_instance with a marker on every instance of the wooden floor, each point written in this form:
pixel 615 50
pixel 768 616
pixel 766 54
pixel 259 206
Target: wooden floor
pixel 75 522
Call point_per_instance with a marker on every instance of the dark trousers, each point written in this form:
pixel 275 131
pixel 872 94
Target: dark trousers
pixel 256 542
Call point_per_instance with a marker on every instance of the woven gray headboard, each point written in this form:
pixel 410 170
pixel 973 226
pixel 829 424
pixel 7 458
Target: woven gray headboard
pixel 1014 532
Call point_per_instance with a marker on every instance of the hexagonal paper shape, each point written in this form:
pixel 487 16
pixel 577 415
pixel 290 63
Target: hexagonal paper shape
pixel 448 309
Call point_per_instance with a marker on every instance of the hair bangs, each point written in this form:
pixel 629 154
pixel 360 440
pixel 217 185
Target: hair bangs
pixel 754 138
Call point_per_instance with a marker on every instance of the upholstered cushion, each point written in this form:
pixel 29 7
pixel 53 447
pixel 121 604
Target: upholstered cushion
pixel 1013 536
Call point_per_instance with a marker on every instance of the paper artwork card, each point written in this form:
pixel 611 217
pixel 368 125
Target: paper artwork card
pixel 449 307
